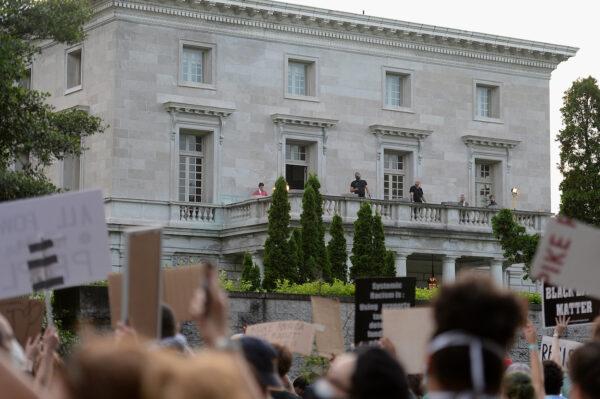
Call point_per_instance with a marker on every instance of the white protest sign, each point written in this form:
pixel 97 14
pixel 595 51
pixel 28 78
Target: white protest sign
pixel 326 314
pixel 409 330
pixel 566 347
pixel 568 255
pixel 296 335
pixel 52 242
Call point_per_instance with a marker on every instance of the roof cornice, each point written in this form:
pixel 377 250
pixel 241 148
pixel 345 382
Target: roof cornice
pixel 303 121
pixel 347 26
pixel 196 109
pixel 399 132
pixel 490 142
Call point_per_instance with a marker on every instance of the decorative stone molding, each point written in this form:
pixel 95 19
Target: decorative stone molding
pixel 332 25
pixel 204 110
pixel 399 132
pixel 490 142
pixel 303 121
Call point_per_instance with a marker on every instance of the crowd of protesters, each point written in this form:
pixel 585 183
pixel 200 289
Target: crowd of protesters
pixel 476 323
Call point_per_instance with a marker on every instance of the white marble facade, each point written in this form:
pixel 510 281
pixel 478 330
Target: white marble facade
pixel 245 111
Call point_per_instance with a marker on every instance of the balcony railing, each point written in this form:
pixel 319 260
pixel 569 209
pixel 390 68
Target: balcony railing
pixel 255 212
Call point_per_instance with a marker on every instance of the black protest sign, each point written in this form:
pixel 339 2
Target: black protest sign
pixel 558 301
pixel 374 294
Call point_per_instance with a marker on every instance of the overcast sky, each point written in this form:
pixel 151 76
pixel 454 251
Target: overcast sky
pixel 572 23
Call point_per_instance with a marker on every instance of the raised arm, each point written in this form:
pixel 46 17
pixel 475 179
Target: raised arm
pixel 537 373
pixel 561 327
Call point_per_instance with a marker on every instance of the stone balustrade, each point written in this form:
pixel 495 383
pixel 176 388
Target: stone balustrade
pixel 255 212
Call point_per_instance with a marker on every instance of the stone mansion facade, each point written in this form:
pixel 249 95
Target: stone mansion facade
pixel 207 98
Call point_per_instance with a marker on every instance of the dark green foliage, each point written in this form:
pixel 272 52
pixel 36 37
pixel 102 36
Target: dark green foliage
pixel 580 152
pixel 336 249
pixel 362 243
pixel 390 264
pixel 296 256
pixel 378 251
pixel 29 128
pixel 321 257
pixel 518 246
pixel 310 236
pixel 250 273
pixel 277 254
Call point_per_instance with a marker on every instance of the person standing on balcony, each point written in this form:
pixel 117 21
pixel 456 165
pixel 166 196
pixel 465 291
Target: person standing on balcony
pixel 462 201
pixel 492 203
pixel 359 187
pixel 260 192
pixel 416 193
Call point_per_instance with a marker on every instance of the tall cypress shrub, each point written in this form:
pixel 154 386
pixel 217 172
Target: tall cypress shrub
pixel 250 273
pixel 336 249
pixel 310 236
pixel 390 264
pixel 296 258
pixel 322 257
pixel 378 251
pixel 362 243
pixel 277 254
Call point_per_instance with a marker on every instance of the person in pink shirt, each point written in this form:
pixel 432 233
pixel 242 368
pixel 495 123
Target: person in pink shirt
pixel 260 192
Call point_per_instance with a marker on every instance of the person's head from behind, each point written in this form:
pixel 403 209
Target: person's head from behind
pixel 378 375
pixel 474 320
pixel 284 359
pixel 584 370
pixel 517 385
pixel 103 369
pixel 168 323
pixel 262 358
pixel 300 384
pixel 553 377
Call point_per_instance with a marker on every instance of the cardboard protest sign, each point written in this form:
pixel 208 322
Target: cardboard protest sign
pixel 326 315
pixel 296 335
pixel 372 296
pixel 566 348
pixel 558 301
pixel 52 242
pixel 141 295
pixel 179 285
pixel 410 331
pixel 24 315
pixel 567 256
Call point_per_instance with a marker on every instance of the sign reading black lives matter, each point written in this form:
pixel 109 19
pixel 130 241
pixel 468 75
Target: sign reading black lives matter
pixel 52 242
pixel 558 301
pixel 372 295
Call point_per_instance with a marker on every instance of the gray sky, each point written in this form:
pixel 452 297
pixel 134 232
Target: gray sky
pixel 570 23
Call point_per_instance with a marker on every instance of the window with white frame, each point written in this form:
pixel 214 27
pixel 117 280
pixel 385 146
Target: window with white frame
pixel 397 89
pixel 393 175
pixel 73 69
pixel 191 164
pixel 301 78
pixel 196 65
pixel 484 182
pixel 296 165
pixel 487 101
pixel 71 172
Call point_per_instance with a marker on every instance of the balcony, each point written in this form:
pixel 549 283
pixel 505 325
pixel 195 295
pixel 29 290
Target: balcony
pixel 254 212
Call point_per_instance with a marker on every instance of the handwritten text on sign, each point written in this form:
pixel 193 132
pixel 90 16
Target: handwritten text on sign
pixel 566 348
pixel 568 255
pixel 52 242
pixel 297 336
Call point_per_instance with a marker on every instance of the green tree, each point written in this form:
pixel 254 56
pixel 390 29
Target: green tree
pixel 310 236
pixel 250 273
pixel 390 264
pixel 322 257
pixel 277 253
pixel 336 249
pixel 32 134
pixel 518 246
pixel 580 152
pixel 362 243
pixel 378 251
pixel 296 256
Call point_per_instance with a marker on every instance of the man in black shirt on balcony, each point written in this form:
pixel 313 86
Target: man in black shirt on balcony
pixel 359 186
pixel 416 193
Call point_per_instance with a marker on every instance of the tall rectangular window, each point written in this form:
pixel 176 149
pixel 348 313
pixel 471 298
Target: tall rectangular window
pixel 296 165
pixel 71 172
pixel 397 90
pixel 191 163
pixel 393 175
pixel 487 101
pixel 393 90
pixel 484 182
pixel 74 69
pixel 192 64
pixel 297 78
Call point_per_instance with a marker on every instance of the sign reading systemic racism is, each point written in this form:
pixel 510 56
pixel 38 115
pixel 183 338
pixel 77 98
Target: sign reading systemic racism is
pixel 52 242
pixel 568 255
pixel 558 301
pixel 372 295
